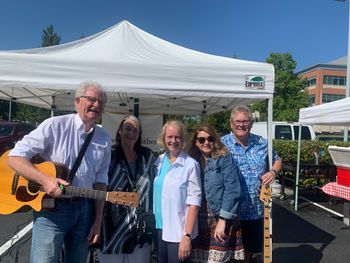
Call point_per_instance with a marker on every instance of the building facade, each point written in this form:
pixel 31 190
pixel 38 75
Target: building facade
pixel 325 82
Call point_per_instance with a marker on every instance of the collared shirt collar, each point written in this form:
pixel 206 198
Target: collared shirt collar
pixel 81 125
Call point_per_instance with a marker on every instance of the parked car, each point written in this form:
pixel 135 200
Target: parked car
pixel 11 132
pixel 284 130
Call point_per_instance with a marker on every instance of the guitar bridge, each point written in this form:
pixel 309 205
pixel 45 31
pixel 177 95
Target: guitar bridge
pixel 15 183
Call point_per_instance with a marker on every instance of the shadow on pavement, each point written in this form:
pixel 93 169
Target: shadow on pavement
pixel 295 239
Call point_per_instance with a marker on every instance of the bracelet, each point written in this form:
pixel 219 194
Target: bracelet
pixel 188 235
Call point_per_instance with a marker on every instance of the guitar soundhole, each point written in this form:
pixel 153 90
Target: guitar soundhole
pixel 23 196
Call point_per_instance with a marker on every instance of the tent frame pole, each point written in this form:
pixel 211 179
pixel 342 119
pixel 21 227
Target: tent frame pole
pixel 296 189
pixel 269 130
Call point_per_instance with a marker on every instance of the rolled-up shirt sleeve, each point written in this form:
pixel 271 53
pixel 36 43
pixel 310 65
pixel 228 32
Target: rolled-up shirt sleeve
pixel 194 192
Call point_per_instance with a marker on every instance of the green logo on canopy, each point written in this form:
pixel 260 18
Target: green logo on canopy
pixel 255 82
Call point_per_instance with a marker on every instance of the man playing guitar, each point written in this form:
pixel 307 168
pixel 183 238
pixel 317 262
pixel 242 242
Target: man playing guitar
pixel 74 222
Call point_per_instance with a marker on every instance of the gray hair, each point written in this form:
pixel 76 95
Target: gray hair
pixel 242 108
pixel 83 86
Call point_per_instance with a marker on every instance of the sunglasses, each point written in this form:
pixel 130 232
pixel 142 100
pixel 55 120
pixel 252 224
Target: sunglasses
pixel 202 140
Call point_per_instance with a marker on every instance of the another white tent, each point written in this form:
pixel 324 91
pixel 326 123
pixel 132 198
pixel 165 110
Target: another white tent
pixel 130 63
pixel 332 113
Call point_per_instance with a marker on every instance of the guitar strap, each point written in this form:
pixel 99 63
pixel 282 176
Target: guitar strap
pixel 80 157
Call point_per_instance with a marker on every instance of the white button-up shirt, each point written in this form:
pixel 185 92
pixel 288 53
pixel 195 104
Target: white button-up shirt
pixel 181 188
pixel 59 140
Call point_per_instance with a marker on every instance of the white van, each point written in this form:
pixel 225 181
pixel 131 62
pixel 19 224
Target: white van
pixel 284 130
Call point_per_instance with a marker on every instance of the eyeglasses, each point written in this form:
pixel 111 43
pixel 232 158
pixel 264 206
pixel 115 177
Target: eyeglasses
pixel 202 140
pixel 93 99
pixel 244 123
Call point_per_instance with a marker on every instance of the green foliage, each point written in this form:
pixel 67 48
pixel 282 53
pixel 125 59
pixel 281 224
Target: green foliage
pixel 190 121
pixel 290 94
pixel 31 114
pixel 287 150
pixel 221 121
pixel 50 37
pixel 4 109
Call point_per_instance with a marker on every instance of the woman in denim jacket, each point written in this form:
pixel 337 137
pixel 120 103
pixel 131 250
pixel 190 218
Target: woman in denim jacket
pixel 219 238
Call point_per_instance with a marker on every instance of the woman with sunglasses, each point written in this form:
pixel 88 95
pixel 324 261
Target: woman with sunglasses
pixel 219 238
pixel 176 196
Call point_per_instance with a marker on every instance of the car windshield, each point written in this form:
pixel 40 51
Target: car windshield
pixel 5 130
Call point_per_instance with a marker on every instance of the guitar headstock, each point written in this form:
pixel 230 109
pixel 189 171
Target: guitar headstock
pixel 265 194
pixel 124 198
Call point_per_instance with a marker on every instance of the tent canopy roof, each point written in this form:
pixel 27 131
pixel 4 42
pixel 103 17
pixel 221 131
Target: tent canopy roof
pixel 130 63
pixel 332 113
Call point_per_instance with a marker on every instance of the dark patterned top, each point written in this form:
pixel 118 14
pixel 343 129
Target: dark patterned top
pixel 119 222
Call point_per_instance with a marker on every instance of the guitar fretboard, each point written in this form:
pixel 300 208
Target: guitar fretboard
pixel 87 193
pixel 267 235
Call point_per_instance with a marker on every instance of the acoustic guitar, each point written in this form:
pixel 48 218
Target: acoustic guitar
pixel 265 197
pixel 18 194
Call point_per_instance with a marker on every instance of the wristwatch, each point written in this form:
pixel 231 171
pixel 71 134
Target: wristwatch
pixel 188 235
pixel 274 171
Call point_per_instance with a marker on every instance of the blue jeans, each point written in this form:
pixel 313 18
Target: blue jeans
pixel 68 224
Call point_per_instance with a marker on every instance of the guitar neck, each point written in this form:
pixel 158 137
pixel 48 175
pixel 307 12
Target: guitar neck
pixel 267 235
pixel 86 193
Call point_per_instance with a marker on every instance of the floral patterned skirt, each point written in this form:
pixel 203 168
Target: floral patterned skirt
pixel 206 249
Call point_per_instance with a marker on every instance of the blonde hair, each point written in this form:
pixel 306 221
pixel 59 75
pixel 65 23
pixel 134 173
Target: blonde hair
pixel 180 128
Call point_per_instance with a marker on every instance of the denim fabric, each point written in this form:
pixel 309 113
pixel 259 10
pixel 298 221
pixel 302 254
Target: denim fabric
pixel 222 187
pixel 70 224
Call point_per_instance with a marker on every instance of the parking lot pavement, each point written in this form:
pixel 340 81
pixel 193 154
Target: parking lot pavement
pixel 15 248
pixel 309 235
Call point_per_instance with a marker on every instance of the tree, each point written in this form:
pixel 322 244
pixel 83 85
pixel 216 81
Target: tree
pixel 221 121
pixel 290 93
pixel 50 37
pixel 30 113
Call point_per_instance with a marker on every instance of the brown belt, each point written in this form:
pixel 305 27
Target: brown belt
pixel 72 200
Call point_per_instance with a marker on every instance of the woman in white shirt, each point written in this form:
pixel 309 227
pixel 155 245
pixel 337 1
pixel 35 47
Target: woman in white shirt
pixel 177 195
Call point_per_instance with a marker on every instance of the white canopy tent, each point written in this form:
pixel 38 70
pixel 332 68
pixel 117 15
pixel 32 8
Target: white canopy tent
pixel 332 113
pixel 130 63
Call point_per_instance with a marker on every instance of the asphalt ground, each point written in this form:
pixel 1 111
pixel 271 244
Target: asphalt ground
pixel 308 235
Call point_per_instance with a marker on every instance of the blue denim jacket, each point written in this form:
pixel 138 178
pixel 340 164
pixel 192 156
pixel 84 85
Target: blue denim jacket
pixel 221 186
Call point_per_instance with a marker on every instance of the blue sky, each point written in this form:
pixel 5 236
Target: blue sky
pixel 313 31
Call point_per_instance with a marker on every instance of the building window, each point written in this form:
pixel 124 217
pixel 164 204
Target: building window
pixel 311 81
pixel 334 80
pixel 331 97
pixel 311 100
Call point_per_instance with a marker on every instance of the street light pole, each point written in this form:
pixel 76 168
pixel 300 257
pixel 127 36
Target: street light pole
pixel 347 88
pixel 347 91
